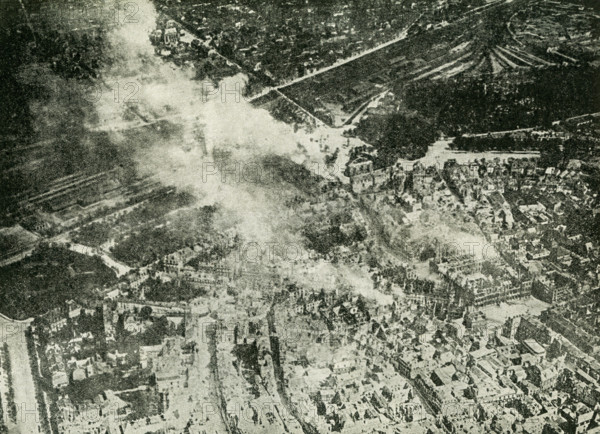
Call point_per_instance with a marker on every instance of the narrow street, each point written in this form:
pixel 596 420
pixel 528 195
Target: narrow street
pixel 278 372
pixel 208 372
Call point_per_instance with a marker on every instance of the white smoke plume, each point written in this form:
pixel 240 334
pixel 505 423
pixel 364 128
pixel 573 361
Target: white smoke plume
pixel 208 119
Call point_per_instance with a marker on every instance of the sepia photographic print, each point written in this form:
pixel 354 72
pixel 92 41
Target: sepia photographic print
pixel 299 216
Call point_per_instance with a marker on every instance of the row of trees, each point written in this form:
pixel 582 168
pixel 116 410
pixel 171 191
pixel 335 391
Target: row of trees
pixel 37 384
pixel 10 393
pixel 554 151
pixel 3 427
pixel 505 143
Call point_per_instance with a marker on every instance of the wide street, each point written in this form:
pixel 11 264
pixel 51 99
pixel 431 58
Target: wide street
pixel 13 333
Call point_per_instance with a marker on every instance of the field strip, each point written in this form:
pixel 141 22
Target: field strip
pixel 454 71
pixel 533 57
pixel 513 55
pixel 441 68
pixel 504 59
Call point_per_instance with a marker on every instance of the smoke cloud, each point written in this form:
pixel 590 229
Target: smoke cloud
pixel 193 134
pixel 206 137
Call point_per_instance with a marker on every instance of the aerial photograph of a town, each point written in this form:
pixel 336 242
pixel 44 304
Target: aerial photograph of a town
pixel 299 216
